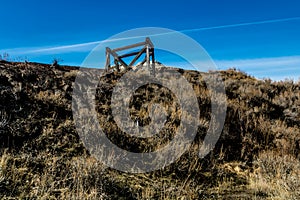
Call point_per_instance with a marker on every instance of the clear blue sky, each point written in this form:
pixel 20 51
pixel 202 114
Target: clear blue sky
pixel 264 49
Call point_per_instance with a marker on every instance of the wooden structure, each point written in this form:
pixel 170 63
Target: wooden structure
pixel 147 49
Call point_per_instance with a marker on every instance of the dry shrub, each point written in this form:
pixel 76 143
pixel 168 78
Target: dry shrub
pixel 277 175
pixel 48 177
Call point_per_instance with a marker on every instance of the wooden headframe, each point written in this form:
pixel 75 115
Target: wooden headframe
pixel 147 49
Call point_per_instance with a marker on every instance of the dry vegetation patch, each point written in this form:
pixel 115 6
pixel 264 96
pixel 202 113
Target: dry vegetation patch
pixel 42 156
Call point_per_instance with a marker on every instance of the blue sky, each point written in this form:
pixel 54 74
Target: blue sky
pixel 261 38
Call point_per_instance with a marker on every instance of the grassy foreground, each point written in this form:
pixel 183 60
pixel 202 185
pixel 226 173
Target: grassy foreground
pixel 43 157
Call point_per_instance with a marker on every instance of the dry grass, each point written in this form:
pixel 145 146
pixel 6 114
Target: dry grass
pixel 42 156
pixel 49 177
pixel 276 175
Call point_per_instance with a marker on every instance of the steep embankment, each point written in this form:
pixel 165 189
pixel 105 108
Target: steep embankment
pixel 43 156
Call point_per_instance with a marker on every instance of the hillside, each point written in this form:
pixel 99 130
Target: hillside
pixel 43 157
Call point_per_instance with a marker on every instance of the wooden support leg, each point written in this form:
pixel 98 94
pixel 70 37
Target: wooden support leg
pixel 148 58
pixel 153 62
pixel 107 64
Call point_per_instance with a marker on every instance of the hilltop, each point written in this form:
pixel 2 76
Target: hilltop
pixel 42 155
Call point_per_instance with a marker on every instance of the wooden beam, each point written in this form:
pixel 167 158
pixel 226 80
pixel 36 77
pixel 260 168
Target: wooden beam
pixel 107 64
pixel 148 56
pixel 143 62
pixel 148 49
pixel 137 56
pixel 129 54
pixel 153 62
pixel 148 41
pixel 129 46
pixel 116 57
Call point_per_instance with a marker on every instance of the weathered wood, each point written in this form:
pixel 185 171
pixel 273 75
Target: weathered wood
pixel 129 54
pixel 153 62
pixel 116 57
pixel 107 64
pixel 144 61
pixel 129 46
pixel 148 56
pixel 137 56
pixel 148 41
pixel 148 49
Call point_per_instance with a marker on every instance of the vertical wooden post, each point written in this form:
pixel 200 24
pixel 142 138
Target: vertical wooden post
pixel 107 64
pixel 153 62
pixel 148 57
